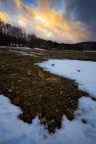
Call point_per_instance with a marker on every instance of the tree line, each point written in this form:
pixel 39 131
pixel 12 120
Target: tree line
pixel 15 36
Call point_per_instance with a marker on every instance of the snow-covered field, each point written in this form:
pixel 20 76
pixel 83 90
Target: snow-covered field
pixel 21 48
pixel 16 47
pixel 14 131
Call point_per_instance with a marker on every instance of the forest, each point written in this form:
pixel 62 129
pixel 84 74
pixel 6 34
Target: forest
pixel 16 36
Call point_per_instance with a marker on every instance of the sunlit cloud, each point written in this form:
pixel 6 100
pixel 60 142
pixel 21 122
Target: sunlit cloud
pixel 47 23
pixel 18 3
pixel 22 21
pixel 4 17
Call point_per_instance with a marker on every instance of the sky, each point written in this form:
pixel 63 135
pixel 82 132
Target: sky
pixel 66 21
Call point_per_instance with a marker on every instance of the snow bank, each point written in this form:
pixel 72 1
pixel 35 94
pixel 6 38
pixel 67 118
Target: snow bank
pixel 23 53
pixel 38 49
pixel 83 72
pixel 16 47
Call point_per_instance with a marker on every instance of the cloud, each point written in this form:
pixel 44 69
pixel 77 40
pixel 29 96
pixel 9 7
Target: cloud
pixel 83 11
pixel 23 21
pixel 46 4
pixel 4 17
pixel 46 22
pixel 18 3
pixel 59 28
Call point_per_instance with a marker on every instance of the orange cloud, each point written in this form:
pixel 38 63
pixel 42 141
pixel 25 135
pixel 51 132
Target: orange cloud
pixel 18 3
pixel 4 17
pixel 46 4
pixel 22 21
pixel 48 24
pixel 45 22
pixel 51 25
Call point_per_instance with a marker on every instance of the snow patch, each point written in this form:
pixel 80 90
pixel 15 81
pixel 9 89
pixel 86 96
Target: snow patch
pixel 13 130
pixel 16 47
pixel 23 53
pixel 38 49
pixel 83 72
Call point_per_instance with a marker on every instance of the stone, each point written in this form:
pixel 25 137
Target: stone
pixel 19 81
pixel 16 100
pixel 78 70
pixel 10 90
pixel 29 73
pixel 61 92
pixel 52 64
pixel 41 74
pixel 43 120
pixel 18 92
pixel 57 110
pixel 29 94
pixel 84 121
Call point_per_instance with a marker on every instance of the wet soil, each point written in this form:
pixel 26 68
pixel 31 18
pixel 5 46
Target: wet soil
pixel 36 91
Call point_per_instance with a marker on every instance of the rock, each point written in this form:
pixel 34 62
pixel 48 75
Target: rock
pixel 52 79
pixel 7 65
pixel 43 120
pixel 84 121
pixel 40 96
pixel 10 90
pixel 13 87
pixel 18 92
pixel 29 73
pixel 70 111
pixel 16 100
pixel 57 110
pixel 61 92
pixel 29 94
pixel 19 81
pixel 78 70
pixel 52 64
pixel 28 104
pixel 41 74
pixel 12 74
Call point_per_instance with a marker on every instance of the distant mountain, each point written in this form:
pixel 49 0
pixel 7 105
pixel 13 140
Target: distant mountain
pixel 87 46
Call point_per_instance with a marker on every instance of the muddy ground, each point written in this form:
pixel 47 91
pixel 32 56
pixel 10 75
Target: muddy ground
pixel 36 91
